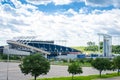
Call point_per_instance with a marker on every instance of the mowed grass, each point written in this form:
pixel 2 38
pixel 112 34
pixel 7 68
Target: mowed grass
pixel 90 77
pixel 82 48
pixel 66 64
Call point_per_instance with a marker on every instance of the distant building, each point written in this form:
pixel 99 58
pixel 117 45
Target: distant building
pixel 1 49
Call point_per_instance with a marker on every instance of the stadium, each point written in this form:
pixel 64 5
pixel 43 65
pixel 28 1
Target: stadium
pixel 28 45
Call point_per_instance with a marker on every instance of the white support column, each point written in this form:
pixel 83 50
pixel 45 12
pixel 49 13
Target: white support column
pixel 107 46
pixel 107 43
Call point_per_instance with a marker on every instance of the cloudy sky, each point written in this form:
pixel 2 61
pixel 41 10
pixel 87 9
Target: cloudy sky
pixel 76 21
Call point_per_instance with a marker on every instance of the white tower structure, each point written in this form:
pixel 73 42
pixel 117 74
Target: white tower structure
pixel 107 42
pixel 107 46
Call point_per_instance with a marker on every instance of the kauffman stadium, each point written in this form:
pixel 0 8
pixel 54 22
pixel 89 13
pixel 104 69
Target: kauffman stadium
pixel 23 46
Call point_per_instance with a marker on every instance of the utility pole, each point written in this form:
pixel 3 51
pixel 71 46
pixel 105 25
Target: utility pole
pixel 99 43
pixel 8 64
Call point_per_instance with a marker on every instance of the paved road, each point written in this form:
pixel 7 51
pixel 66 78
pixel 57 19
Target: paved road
pixel 115 78
pixel 14 72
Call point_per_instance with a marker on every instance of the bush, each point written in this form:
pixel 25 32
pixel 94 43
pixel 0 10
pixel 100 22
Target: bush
pixel 74 68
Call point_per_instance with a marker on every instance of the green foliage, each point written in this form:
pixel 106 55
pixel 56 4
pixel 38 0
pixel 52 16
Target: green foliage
pixel 116 49
pixel 0 57
pixel 112 67
pixel 101 64
pixel 11 57
pixel 64 60
pixel 14 57
pixel 72 60
pixel 81 61
pixel 85 60
pixel 101 45
pixel 89 60
pixel 90 43
pixel 116 61
pixel 4 56
pixel 94 48
pixel 74 68
pixel 91 48
pixel 35 64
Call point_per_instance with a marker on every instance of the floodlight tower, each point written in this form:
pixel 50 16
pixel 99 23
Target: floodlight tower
pixel 107 42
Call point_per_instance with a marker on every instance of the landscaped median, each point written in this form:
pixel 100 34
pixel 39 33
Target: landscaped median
pixel 90 77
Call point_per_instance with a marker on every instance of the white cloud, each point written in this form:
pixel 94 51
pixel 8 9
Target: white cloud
pixel 76 29
pixel 56 2
pixel 61 2
pixel 103 3
pixel 37 2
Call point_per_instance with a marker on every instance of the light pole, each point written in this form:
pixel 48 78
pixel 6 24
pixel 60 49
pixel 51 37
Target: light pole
pixel 99 43
pixel 7 62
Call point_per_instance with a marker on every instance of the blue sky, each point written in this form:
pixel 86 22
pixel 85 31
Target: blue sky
pixel 77 21
pixel 52 7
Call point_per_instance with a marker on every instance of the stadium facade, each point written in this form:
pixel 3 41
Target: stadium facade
pixel 48 48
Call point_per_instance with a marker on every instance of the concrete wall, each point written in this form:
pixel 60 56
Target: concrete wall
pixel 15 52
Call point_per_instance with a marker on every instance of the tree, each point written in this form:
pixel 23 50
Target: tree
pixel 101 46
pixel 35 64
pixel 116 61
pixel 91 43
pixel 74 68
pixel 91 48
pixel 116 49
pixel 101 64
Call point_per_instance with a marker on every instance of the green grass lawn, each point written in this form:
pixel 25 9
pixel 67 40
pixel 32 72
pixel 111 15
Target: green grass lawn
pixel 85 65
pixel 66 64
pixel 90 77
pixel 82 48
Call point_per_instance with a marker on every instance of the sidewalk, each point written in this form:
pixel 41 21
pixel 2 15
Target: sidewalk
pixel 115 78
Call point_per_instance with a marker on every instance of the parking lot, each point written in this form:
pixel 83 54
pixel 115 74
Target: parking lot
pixel 14 72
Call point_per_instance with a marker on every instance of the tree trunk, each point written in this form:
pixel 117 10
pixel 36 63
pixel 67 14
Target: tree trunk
pixel 72 76
pixel 35 77
pixel 118 71
pixel 100 72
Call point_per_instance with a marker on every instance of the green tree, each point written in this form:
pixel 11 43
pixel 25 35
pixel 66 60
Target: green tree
pixel 91 43
pixel 116 49
pixel 35 64
pixel 116 61
pixel 74 68
pixel 81 61
pixel 101 64
pixel 91 48
pixel 101 46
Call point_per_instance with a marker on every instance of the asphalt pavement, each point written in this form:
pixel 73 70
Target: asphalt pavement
pixel 14 72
